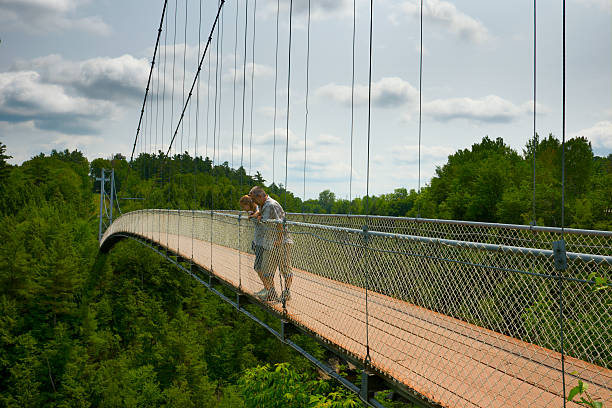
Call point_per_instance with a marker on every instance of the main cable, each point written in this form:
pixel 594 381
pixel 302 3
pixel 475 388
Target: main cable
pixel 222 2
pixel 159 30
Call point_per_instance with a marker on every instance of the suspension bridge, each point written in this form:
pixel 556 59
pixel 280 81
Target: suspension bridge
pixel 447 313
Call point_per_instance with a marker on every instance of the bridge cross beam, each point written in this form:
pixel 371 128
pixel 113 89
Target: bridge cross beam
pixel 370 384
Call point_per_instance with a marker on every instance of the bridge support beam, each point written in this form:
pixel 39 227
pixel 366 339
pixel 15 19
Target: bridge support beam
pixel 242 300
pixel 370 384
pixel 287 328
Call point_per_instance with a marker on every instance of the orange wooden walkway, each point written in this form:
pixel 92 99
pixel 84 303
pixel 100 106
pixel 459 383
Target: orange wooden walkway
pixel 451 362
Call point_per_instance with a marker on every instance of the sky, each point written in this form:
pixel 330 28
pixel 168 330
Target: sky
pixel 73 75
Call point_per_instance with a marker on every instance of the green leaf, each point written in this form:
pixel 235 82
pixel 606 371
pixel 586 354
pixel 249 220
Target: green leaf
pixel 573 392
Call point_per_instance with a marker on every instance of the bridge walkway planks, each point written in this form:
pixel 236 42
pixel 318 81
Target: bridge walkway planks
pixel 451 362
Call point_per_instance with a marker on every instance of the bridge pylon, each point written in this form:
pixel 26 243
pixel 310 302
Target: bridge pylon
pixel 108 199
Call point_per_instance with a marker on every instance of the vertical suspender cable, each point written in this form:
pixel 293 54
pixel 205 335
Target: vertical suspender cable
pixel 288 97
pixel 367 204
pixel 163 160
pixel 157 158
pixel 287 132
pixel 352 108
pixel 368 181
pixel 208 105
pixel 307 89
pixel 184 66
pixel 246 26
pixel 197 125
pixel 170 158
pixel 246 29
pixel 180 156
pixel 197 75
pixel 562 217
pixel 275 96
pixel 252 86
pixel 535 141
pixel 212 194
pixel 150 73
pixel 420 110
pixel 221 28
pixel 234 93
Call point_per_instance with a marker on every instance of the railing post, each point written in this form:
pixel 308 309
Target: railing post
pixel 560 258
pixel 239 253
pixel 366 273
pixel 101 179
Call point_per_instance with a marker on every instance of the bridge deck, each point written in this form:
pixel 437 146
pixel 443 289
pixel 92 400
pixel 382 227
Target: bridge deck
pixel 453 363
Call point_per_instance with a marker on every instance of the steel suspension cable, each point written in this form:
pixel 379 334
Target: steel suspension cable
pixel 172 172
pixel 288 98
pixel 159 30
pixel 535 141
pixel 234 94
pixel 306 110
pixel 420 109
pixel 197 75
pixel 275 96
pixel 212 194
pixel 561 316
pixel 208 104
pixel 197 125
pixel 367 284
pixel 183 87
pixel 221 28
pixel 246 27
pixel 181 151
pixel 163 159
pixel 352 107
pixel 252 85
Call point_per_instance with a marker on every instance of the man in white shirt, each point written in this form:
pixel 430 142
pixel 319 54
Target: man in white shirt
pixel 276 243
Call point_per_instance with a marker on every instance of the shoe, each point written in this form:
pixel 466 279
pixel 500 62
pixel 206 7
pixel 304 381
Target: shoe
pixel 285 295
pixel 267 295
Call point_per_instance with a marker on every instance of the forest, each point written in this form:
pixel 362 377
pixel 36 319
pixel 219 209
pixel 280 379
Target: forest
pixel 83 329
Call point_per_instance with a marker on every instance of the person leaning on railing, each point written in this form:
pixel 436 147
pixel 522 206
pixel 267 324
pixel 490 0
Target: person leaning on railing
pixel 276 243
pixel 248 205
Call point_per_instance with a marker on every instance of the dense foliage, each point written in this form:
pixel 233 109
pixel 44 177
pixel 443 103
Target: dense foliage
pixel 81 329
pixel 491 182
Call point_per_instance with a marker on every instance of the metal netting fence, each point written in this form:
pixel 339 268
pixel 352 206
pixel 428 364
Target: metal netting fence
pixel 469 314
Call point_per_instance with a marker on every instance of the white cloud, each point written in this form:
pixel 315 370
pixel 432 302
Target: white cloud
pixel 37 141
pixel 24 97
pixel 605 5
pixel 99 78
pixel 319 9
pixel 389 92
pixel 40 16
pixel 447 15
pixel 600 134
pixel 261 71
pixel 491 108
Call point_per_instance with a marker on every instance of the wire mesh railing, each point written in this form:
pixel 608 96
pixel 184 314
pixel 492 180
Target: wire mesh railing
pixel 467 314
